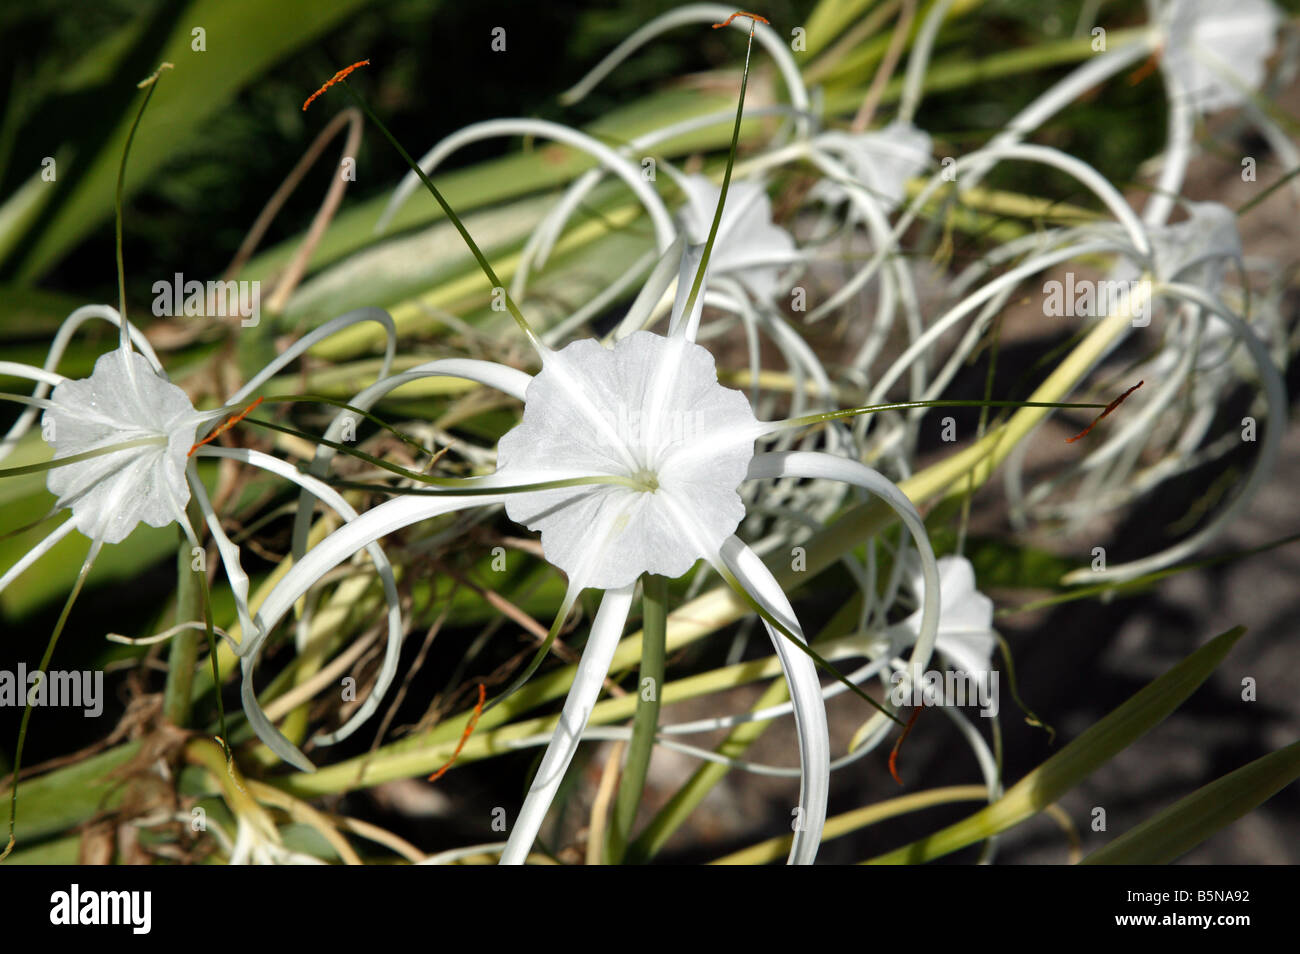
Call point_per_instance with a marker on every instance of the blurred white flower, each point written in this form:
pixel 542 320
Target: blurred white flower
pixel 966 638
pixel 749 247
pixel 880 160
pixel 1217 50
pixel 1200 249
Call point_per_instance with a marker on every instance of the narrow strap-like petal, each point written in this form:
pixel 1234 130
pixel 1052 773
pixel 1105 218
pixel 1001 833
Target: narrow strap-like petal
pixel 626 170
pixel 505 379
pixel 36 552
pixel 593 667
pixel 388 517
pixel 307 341
pixel 805 696
pixel 396 626
pixel 825 466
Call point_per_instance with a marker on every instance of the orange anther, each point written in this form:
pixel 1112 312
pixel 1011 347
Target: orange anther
pixel 754 18
pixel 225 427
pixel 341 74
pixel 1109 407
pixel 893 754
pixel 1145 70
pixel 473 721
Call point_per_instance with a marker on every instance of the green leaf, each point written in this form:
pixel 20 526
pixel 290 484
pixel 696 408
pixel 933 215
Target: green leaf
pixel 61 799
pixel 60 851
pixel 519 174
pixel 1188 822
pixel 243 38
pixel 1047 783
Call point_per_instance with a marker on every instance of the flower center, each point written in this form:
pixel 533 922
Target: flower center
pixel 645 480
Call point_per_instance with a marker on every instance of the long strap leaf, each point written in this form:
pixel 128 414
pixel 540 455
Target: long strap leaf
pixel 1060 773
pixel 1189 821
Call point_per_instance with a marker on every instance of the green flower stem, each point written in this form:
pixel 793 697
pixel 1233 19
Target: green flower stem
pixel 688 797
pixel 645 723
pixel 148 85
pixel 448 211
pixel 497 181
pixel 726 184
pixel 27 709
pixel 183 654
pixel 685 800
pixel 823 416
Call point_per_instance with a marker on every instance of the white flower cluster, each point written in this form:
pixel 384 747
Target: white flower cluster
pixel 631 458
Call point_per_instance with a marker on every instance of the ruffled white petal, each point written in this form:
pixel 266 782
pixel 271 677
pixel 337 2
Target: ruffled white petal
pixel 880 160
pixel 625 412
pixel 124 399
pixel 966 638
pixel 1218 50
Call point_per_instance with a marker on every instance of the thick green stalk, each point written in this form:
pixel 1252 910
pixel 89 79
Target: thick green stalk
pixel 684 802
pixel 645 723
pixel 184 654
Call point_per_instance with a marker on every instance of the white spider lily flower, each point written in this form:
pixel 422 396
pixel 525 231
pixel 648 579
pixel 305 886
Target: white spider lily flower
pixel 1199 249
pixel 966 638
pixel 749 247
pixel 603 411
pixel 628 462
pixel 880 160
pixel 125 443
pixel 126 404
pixel 1217 52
